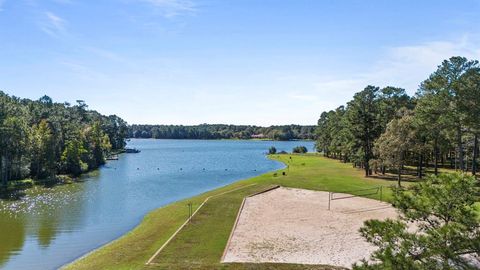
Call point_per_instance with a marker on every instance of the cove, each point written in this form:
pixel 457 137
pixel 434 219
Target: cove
pixel 50 227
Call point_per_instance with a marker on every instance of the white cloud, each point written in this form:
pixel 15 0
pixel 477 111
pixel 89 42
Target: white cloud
pixel 403 66
pixel 408 66
pixel 53 25
pixel 173 8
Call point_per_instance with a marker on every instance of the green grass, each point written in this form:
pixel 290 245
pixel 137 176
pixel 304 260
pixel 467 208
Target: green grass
pixel 200 245
pixel 205 238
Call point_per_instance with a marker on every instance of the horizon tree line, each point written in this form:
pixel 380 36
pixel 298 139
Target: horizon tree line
pixel 222 131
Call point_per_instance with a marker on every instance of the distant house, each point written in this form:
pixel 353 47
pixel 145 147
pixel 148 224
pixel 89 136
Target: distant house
pixel 258 136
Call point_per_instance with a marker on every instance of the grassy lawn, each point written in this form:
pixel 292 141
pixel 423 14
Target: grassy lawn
pixel 200 244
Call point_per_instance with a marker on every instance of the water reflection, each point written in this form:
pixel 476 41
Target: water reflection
pixel 38 215
pixel 12 237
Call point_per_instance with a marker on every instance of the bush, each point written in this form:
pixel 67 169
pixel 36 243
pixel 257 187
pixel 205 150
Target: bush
pixel 446 227
pixel 272 150
pixel 300 150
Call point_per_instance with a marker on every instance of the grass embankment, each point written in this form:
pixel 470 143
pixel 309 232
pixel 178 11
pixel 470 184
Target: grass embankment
pixel 200 244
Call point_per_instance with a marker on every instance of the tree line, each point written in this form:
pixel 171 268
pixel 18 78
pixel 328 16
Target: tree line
pixel 42 139
pixel 219 131
pixel 385 130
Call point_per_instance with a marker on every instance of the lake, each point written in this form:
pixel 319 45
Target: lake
pixel 50 227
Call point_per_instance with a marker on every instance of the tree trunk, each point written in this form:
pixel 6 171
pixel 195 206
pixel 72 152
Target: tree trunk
pixel 460 149
pixel 475 155
pixel 1 171
pixel 453 161
pixel 368 171
pixel 420 167
pixel 4 171
pixel 399 175
pixel 435 150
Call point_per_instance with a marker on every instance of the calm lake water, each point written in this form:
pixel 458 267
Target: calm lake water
pixel 50 227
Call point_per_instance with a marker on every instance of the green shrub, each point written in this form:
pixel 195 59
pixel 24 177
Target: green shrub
pixel 300 150
pixel 272 150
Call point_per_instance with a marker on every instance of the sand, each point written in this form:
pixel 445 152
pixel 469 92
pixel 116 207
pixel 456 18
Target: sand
pixel 289 225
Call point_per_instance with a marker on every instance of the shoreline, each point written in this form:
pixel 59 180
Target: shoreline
pixel 133 249
pixel 60 179
pixel 205 193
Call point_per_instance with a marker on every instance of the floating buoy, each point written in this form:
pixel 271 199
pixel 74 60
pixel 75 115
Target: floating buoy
pixel 158 169
pixel 181 169
pixel 138 169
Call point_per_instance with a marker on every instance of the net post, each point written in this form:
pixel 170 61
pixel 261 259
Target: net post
pixel 329 199
pixel 381 193
pixel 189 212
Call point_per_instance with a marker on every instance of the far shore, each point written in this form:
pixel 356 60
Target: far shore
pixel 60 179
pixel 231 139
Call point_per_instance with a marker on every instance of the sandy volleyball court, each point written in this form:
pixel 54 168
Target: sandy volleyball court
pixel 289 225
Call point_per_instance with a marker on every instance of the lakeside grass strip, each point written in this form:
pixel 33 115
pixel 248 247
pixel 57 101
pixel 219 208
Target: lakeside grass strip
pixel 238 217
pixel 150 261
pixel 202 244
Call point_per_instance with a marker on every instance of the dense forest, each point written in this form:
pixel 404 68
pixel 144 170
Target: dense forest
pixel 42 139
pixel 206 131
pixel 385 130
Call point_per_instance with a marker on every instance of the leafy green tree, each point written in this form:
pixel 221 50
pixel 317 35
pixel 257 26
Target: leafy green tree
pixel 391 99
pixel 324 137
pixel 43 151
pixel 430 115
pixel 439 227
pixel 444 85
pixel 272 150
pixel 34 137
pixel 335 128
pixel 362 115
pixel 14 141
pixel 72 157
pixel 391 147
pixel 98 145
pixel 469 92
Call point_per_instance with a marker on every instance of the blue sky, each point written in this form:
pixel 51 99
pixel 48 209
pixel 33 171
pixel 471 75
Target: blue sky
pixel 257 62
